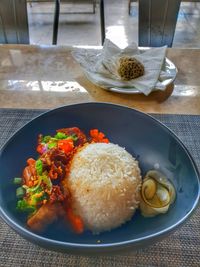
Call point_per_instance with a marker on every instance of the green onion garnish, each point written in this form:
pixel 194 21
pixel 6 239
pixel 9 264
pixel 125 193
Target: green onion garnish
pixel 20 192
pixel 60 135
pixel 17 180
pixel 23 206
pixel 74 137
pixel 51 145
pixel 46 138
pixel 39 166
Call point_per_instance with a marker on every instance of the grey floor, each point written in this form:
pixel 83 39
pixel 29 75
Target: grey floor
pixel 121 28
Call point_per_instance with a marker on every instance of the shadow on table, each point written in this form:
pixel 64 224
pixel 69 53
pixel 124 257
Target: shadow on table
pixel 100 94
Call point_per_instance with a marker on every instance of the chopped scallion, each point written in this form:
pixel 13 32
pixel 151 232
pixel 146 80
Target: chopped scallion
pixel 20 192
pixel 23 206
pixel 17 180
pixel 46 138
pixel 51 145
pixel 39 166
pixel 60 135
pixel 74 137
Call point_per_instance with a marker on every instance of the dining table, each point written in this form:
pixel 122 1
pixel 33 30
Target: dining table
pixel 37 78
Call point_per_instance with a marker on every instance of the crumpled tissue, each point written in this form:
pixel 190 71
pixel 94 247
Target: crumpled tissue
pixel 101 66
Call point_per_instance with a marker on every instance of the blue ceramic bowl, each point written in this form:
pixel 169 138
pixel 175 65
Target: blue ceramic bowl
pixel 143 136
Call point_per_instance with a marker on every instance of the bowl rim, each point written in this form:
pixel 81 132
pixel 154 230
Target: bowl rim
pixel 94 247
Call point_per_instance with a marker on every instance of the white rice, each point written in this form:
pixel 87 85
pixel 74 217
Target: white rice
pixel 104 182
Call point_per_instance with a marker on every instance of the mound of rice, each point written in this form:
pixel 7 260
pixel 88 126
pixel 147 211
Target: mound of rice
pixel 104 182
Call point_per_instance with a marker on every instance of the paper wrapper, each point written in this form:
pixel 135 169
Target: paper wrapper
pixel 102 66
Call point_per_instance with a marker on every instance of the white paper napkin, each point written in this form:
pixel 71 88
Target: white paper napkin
pixel 102 65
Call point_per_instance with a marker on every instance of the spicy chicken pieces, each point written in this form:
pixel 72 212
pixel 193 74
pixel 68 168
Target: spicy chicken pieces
pixel 45 195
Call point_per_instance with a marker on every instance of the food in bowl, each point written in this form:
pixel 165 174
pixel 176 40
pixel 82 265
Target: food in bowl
pixel 84 180
pixel 105 183
pixel 157 194
pixel 89 181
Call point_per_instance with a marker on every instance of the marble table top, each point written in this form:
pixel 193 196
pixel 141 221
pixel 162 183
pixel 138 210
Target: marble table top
pixel 47 77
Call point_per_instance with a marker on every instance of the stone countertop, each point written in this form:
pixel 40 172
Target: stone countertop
pixel 42 77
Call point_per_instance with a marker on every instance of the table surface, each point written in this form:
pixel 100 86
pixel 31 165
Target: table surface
pixel 40 77
pixel 48 77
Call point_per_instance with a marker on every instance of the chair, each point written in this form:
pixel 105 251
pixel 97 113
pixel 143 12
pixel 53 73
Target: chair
pixel 157 22
pixel 13 22
pixel 129 5
pixel 57 15
pixel 92 2
pixel 56 21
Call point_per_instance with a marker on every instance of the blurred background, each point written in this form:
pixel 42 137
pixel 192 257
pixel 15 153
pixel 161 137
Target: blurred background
pixel 121 26
pixel 80 23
